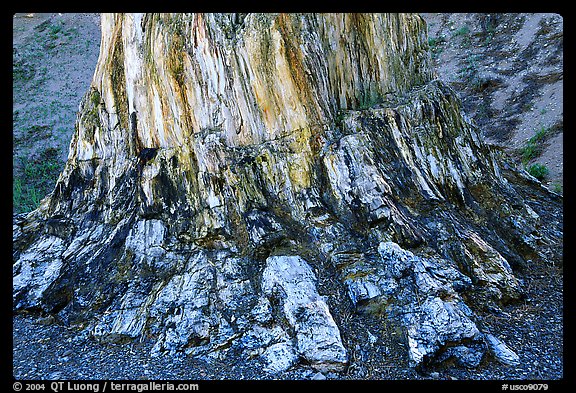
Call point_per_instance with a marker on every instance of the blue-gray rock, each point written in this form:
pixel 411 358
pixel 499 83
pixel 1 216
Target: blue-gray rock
pixel 290 280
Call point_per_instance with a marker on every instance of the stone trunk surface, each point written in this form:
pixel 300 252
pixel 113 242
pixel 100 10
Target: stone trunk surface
pixel 232 175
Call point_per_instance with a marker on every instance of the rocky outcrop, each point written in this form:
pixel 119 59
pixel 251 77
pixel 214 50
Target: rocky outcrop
pixel 231 175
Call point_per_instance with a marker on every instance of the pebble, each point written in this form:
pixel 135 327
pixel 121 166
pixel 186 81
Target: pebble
pixel 46 320
pixel 55 375
pixel 318 376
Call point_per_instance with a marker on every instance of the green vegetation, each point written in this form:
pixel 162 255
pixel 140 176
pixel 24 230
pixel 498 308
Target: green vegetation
pixel 532 150
pixel 463 31
pixel 435 45
pixel 42 116
pixel 464 34
pixel 539 171
pixel 37 180
pixel 470 74
pixel 533 146
pixel 54 30
pixel 368 100
pixel 557 187
pixel 489 22
pixel 339 117
pixel 21 69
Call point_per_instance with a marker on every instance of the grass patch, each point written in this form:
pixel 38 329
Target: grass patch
pixel 464 34
pixel 533 146
pixel 435 45
pixel 539 171
pixel 36 180
pixel 557 187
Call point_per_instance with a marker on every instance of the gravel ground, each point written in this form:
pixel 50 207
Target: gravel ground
pixel 44 349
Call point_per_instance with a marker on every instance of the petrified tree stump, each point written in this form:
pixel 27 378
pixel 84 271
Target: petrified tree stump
pixel 223 163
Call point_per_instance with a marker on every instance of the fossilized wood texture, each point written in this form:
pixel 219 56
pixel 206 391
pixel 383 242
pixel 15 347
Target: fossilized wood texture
pixel 221 164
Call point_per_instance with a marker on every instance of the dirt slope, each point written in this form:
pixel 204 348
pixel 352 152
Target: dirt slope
pixel 54 57
pixel 508 69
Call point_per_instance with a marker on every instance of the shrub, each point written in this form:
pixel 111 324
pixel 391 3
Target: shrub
pixel 557 188
pixel 533 146
pixel 539 171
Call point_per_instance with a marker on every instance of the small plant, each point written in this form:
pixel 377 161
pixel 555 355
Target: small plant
pixel 557 187
pixel 539 171
pixel 464 33
pixel 533 148
pixel 488 23
pixel 464 30
pixel 339 117
pixel 490 31
pixel 540 134
pixel 529 152
pixel 434 44
pixel 22 70
pixel 36 180
pixel 25 197
pixel 368 101
pixel 54 30
pixel 469 73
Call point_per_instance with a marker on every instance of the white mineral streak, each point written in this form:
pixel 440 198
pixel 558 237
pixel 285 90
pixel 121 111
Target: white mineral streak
pixel 489 266
pixel 406 152
pixel 37 269
pixel 126 322
pixel 436 324
pixel 145 236
pixel 433 312
pixel 132 42
pixel 187 296
pixel 82 246
pixel 260 85
pixel 501 351
pixel 354 176
pixel 280 356
pixel 291 279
